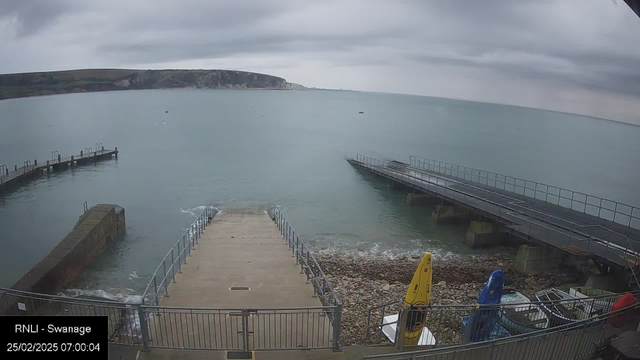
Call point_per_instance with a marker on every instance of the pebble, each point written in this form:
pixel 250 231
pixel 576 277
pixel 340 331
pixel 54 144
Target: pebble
pixel 363 283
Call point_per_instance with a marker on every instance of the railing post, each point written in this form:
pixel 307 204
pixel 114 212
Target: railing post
pixel 164 270
pixel 144 328
pixel 245 330
pixel 400 329
pixel 297 248
pixel 173 268
pixel 155 288
pixel 301 264
pixel 180 259
pixel 337 326
pixel 184 247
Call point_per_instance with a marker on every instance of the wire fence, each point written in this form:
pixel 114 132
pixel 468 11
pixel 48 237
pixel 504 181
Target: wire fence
pixel 611 210
pixel 575 340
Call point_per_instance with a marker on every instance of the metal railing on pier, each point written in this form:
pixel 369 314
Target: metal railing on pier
pixel 611 210
pixel 150 325
pixel 561 233
pixel 312 270
pixel 172 262
pixel 308 263
pixel 234 328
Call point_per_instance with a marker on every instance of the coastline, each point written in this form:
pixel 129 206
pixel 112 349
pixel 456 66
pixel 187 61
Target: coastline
pixel 362 283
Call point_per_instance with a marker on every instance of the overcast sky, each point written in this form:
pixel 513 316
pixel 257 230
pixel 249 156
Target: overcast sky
pixel 580 56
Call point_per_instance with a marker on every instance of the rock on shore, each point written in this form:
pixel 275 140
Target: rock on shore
pixel 362 283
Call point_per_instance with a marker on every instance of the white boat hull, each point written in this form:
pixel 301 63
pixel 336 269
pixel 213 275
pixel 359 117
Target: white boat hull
pixel 389 330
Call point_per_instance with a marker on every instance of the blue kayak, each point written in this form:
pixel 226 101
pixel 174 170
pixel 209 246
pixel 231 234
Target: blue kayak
pixel 482 322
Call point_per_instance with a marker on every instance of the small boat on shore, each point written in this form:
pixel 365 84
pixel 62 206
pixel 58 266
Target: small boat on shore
pixel 415 307
pixel 566 307
pixel 597 301
pixel 481 324
pixel 521 317
pixel 560 312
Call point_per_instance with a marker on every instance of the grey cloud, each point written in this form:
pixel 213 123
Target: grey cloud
pixel 593 46
pixel 33 15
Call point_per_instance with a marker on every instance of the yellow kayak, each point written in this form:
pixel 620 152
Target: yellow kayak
pixel 417 298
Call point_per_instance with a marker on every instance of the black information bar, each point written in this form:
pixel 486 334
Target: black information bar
pixel 48 337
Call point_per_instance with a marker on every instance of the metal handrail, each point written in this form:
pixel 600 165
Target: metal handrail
pixel 311 268
pixel 538 187
pixel 516 202
pixel 307 261
pixel 160 287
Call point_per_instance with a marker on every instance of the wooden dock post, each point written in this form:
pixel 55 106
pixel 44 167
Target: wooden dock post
pixel 116 152
pixel 72 160
pixel 15 167
pixel 59 157
pixel 35 162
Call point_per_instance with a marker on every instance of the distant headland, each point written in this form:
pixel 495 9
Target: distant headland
pixel 90 80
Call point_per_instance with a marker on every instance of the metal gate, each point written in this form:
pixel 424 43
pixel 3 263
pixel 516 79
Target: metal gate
pixel 239 329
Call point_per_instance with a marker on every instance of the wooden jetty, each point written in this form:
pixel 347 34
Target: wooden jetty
pixel 29 170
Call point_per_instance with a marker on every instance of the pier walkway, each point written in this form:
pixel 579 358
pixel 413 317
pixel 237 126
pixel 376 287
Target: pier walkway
pixel 574 222
pixel 241 282
pixel 246 252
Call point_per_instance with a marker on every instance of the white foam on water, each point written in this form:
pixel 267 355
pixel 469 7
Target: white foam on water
pixel 128 296
pixel 193 211
pixel 134 275
pixel 131 325
pixel 379 251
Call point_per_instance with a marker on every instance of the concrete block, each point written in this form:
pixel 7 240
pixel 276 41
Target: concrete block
pixel 532 260
pixel 414 199
pixel 449 214
pixel 484 234
pixel 95 228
